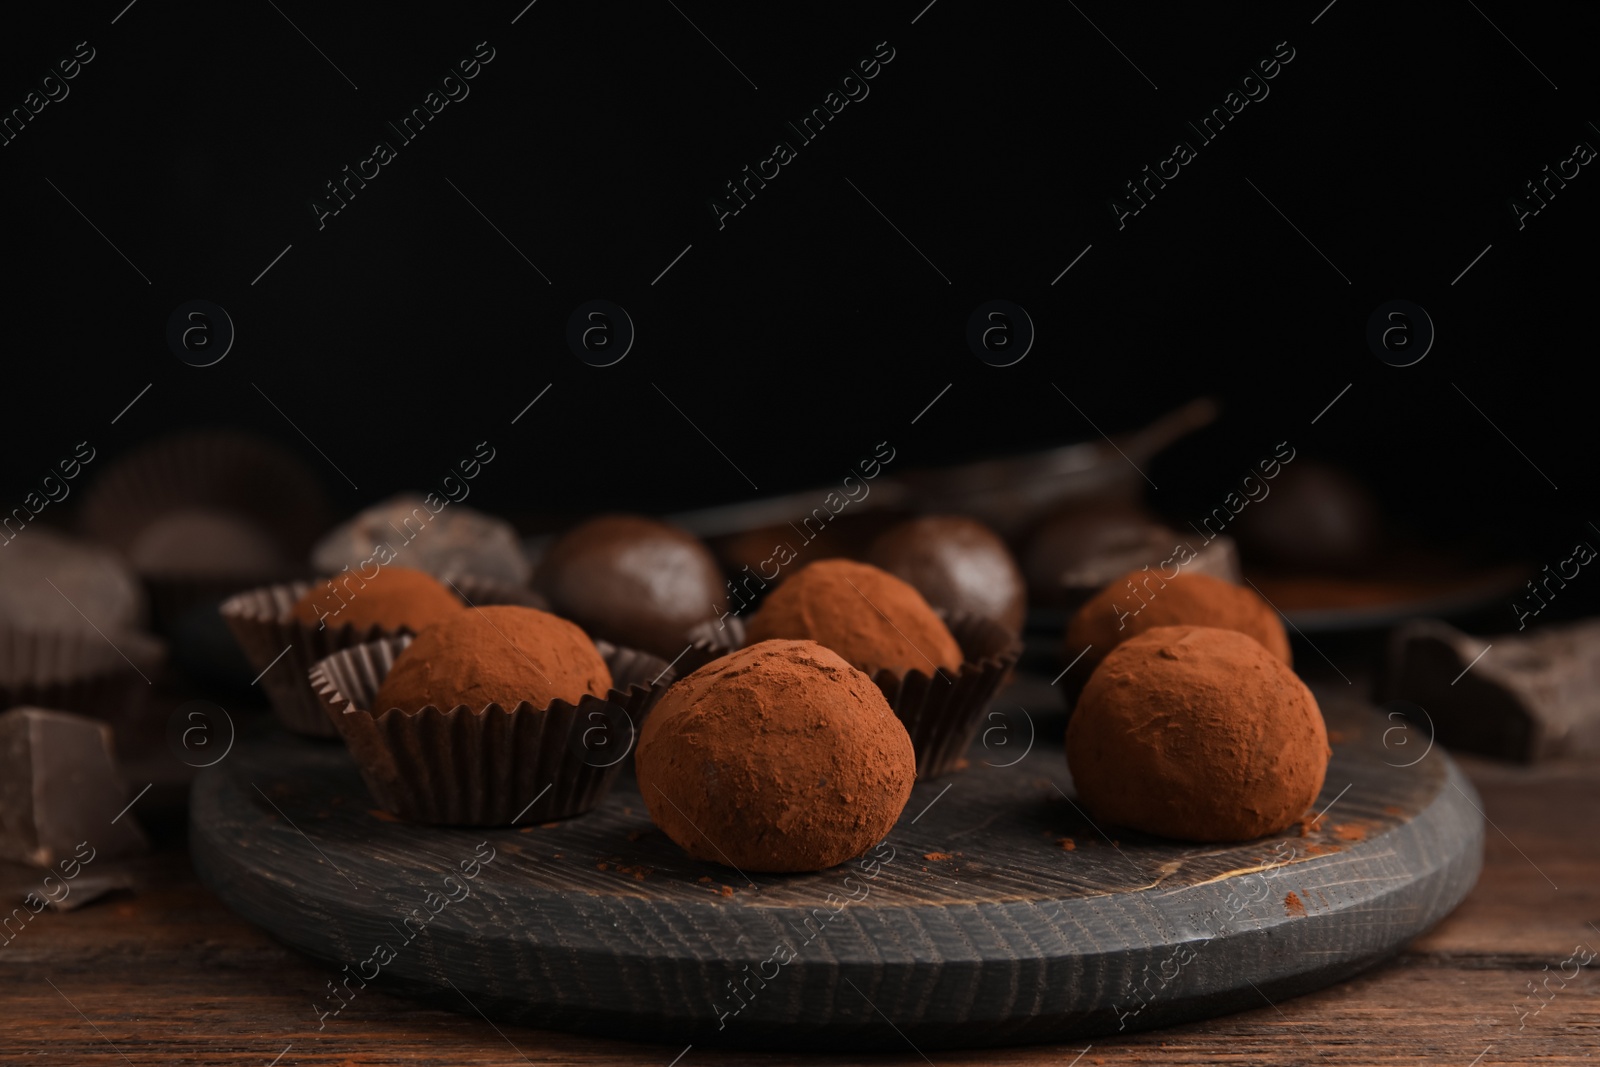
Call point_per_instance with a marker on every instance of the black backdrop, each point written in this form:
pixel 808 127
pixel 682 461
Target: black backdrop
pixel 828 313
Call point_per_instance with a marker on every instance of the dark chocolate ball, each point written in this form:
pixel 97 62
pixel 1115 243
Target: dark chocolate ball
pixel 957 564
pixel 1314 517
pixel 632 581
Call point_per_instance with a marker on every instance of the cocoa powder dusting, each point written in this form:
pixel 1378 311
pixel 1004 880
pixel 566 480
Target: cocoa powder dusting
pixel 1293 906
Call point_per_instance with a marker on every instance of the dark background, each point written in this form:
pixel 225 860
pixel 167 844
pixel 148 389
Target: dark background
pixel 808 329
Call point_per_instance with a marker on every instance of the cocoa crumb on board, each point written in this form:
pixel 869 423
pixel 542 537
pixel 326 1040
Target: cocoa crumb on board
pixel 1350 831
pixel 1292 905
pixel 936 855
pixel 727 890
pixel 1068 844
pixel 382 816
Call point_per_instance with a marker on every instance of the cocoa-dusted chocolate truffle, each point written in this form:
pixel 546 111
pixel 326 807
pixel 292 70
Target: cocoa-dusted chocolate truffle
pixel 778 757
pixel 1199 734
pixel 395 598
pixel 1316 517
pixel 47 578
pixel 1141 600
pixel 957 564
pixel 868 616
pixel 632 581
pixel 206 541
pixel 496 655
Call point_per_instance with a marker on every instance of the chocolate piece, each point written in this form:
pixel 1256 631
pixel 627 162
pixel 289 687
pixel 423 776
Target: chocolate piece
pixel 60 788
pixel 633 581
pixel 1074 554
pixel 1197 733
pixel 46 579
pixel 958 564
pixel 445 540
pixel 1530 697
pixel 778 757
pixel 1314 517
pixel 206 542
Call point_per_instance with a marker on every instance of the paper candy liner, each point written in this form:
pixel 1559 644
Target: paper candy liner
pixel 69 671
pixel 263 625
pixel 494 767
pixel 221 470
pixel 708 642
pixel 941 712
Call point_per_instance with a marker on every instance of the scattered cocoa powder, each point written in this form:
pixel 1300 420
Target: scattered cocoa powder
pixel 1292 905
pixel 1391 809
pixel 396 598
pixel 1068 844
pixel 498 655
pixel 778 757
pixel 935 856
pixel 869 617
pixel 727 890
pixel 1197 733
pixel 1118 613
pixel 383 816
pixel 1350 831
pixel 1310 824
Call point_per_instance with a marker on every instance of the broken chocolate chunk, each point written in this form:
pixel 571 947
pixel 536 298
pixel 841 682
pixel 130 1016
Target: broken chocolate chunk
pixel 60 789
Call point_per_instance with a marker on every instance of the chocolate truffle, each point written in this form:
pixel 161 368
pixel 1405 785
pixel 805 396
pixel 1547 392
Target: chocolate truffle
pixel 957 564
pixel 1143 599
pixel 206 541
pixel 446 539
pixel 1315 517
pixel 395 598
pixel 868 616
pixel 1199 734
pixel 632 581
pixel 496 655
pixel 778 757
pixel 85 577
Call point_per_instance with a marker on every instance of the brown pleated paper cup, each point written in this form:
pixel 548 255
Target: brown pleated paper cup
pixel 263 624
pixel 218 471
pixel 709 641
pixel 106 676
pixel 489 767
pixel 942 712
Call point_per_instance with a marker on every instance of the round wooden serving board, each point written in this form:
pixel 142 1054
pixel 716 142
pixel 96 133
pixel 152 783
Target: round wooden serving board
pixel 974 923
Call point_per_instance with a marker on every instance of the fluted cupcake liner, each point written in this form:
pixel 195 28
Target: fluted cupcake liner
pixel 942 712
pixel 222 470
pixel 107 676
pixel 263 624
pixel 710 641
pixel 489 767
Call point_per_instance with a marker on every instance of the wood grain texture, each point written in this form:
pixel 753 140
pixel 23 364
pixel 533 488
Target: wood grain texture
pixel 975 927
pixel 171 977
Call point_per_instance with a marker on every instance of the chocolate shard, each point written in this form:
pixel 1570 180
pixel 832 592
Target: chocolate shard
pixel 1528 698
pixel 60 787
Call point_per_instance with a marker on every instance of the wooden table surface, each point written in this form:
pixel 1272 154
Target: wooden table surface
pixel 169 976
